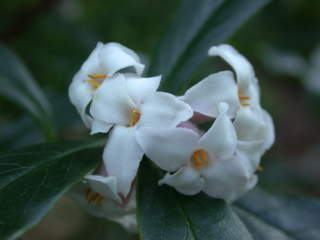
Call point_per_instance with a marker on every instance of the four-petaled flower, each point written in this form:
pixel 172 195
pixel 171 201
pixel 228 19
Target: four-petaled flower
pixel 254 126
pixel 127 103
pixel 208 162
pixel 104 61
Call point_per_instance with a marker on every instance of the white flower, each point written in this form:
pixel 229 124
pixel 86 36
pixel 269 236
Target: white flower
pixel 98 194
pixel 209 163
pixel 254 126
pixel 127 103
pixel 104 61
pixel 205 96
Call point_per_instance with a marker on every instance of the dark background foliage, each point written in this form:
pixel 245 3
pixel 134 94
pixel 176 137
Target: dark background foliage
pixel 54 37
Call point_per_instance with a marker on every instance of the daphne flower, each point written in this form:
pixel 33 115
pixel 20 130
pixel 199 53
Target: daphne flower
pixel 104 61
pixel 98 194
pixel 209 163
pixel 128 103
pixel 254 126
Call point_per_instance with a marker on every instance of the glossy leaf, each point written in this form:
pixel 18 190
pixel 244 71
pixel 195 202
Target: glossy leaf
pixel 165 214
pixel 280 217
pixel 33 178
pixel 18 86
pixel 197 26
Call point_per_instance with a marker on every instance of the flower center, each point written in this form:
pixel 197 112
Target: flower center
pixel 135 117
pixel 93 197
pixel 96 79
pixel 259 169
pixel 199 158
pixel 243 98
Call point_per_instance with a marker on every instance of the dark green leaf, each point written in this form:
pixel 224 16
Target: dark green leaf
pixel 197 26
pixel 165 214
pixel 19 87
pixel 280 217
pixel 32 179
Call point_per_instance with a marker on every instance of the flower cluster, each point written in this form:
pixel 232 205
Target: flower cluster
pixel 111 96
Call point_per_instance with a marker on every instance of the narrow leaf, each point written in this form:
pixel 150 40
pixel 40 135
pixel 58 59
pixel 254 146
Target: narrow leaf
pixel 197 26
pixel 165 214
pixel 269 216
pixel 32 179
pixel 18 86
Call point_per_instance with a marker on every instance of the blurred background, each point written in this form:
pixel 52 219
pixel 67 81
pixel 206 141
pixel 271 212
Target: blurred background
pixel 54 37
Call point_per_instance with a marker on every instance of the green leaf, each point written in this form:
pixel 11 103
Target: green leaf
pixel 280 217
pixel 197 26
pixel 18 86
pixel 165 214
pixel 33 178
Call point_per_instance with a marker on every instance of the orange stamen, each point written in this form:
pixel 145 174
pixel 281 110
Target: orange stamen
pixel 259 169
pixel 95 84
pixel 241 97
pixel 87 193
pixel 93 197
pixel 199 158
pixel 97 76
pixel 135 117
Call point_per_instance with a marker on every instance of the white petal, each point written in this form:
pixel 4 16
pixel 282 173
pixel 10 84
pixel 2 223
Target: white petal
pixel 100 127
pixel 107 208
pixel 169 148
pixel 106 186
pixel 164 110
pixel 140 88
pixel 80 94
pixel 205 96
pixel 242 67
pixel 93 65
pixel 128 222
pixel 77 193
pixel 220 140
pixel 228 179
pixel 252 150
pixel 111 102
pixel 268 131
pixel 185 180
pixel 257 140
pixel 122 156
pixel 253 124
pixel 115 57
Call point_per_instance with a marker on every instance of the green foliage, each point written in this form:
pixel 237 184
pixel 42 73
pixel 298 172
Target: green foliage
pixel 197 26
pixel 259 215
pixel 18 86
pixel 168 215
pixel 270 216
pixel 32 179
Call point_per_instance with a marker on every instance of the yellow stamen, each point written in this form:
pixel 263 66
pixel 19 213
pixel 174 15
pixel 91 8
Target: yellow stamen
pixel 241 97
pixel 95 84
pixel 88 192
pixel 259 169
pixel 93 197
pixel 199 158
pixel 100 198
pixel 135 117
pixel 245 104
pixel 97 76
